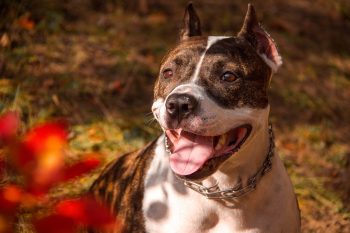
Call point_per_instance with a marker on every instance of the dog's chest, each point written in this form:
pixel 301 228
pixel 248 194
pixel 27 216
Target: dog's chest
pixel 170 207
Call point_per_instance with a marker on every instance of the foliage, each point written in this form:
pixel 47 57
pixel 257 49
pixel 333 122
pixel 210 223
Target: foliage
pixel 38 160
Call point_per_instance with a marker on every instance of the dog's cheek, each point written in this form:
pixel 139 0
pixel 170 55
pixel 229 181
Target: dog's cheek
pixel 197 122
pixel 156 108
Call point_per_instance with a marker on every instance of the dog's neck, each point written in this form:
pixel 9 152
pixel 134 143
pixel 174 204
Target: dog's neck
pixel 246 162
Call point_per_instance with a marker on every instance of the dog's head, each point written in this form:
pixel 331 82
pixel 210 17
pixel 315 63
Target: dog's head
pixel 211 94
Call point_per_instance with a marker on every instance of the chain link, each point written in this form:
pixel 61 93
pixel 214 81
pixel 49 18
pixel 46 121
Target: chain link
pixel 214 191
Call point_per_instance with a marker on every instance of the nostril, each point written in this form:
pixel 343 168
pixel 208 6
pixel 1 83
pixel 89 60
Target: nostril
pixel 171 106
pixel 187 105
pixel 185 108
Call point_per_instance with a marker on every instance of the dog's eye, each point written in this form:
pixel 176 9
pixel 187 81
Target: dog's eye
pixel 229 77
pixel 168 73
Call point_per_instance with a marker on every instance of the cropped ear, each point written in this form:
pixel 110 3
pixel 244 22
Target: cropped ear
pixel 260 39
pixel 191 23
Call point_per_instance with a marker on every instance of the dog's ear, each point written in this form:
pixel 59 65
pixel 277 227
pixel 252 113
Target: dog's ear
pixel 260 39
pixel 191 24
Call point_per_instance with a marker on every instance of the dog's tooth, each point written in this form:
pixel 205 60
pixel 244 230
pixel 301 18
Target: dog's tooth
pixel 221 143
pixel 167 147
pixel 218 146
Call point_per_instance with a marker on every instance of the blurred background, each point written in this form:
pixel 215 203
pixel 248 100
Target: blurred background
pixel 94 62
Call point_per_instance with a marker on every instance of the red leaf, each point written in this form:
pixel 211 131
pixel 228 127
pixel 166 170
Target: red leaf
pixel 23 157
pixel 38 190
pixel 81 167
pixel 86 211
pixel 37 137
pixel 9 123
pixel 10 198
pixel 55 224
pixel 40 156
pixel 40 139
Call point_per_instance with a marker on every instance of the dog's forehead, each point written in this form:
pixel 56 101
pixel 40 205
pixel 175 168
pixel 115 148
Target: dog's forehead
pixel 196 55
pixel 195 47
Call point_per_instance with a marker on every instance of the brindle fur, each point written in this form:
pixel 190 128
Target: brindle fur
pixel 182 60
pixel 121 186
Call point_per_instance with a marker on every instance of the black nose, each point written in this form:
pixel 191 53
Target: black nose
pixel 179 106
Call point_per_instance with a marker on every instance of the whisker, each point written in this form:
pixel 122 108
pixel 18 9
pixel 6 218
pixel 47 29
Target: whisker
pixel 150 119
pixel 149 113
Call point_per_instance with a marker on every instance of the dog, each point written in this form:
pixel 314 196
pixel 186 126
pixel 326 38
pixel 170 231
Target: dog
pixel 214 168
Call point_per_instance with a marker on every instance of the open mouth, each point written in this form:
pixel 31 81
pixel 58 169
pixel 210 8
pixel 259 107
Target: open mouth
pixel 192 153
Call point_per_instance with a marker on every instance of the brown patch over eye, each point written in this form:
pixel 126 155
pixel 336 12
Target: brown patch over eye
pixel 168 73
pixel 229 77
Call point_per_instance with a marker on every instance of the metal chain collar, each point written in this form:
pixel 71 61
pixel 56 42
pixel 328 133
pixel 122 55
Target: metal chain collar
pixel 214 191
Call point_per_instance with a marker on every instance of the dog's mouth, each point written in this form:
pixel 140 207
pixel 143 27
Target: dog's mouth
pixel 191 154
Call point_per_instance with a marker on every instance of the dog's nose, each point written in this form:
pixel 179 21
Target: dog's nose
pixel 179 106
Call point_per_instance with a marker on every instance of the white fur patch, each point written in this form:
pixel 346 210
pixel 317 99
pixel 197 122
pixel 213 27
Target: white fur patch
pixel 211 40
pixel 155 107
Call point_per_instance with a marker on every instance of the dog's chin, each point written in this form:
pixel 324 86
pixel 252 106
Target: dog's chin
pixel 195 157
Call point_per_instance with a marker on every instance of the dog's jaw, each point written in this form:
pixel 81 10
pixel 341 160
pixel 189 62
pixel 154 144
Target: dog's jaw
pixel 248 159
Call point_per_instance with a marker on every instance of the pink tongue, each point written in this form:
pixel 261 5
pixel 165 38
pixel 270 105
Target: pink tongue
pixel 190 152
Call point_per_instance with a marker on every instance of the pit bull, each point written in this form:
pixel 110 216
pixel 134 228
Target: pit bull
pixel 214 169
